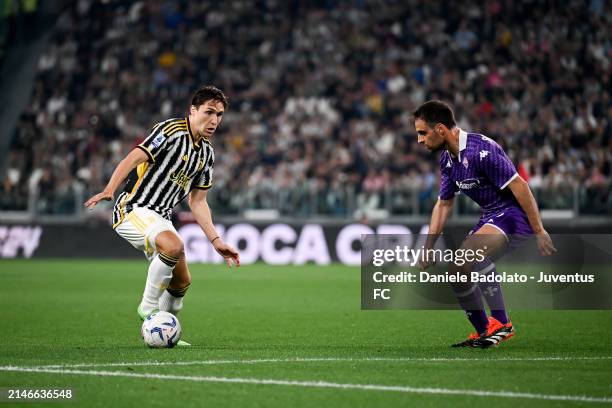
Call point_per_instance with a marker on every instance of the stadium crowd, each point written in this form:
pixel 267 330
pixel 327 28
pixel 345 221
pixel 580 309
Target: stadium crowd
pixel 321 95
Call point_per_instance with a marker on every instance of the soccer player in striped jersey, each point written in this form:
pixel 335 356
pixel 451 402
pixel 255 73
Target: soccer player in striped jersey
pixel 175 161
pixel 478 167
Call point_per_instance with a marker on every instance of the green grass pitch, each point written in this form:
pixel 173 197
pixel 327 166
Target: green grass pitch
pixel 281 336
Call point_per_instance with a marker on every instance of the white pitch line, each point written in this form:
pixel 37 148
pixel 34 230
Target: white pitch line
pixel 320 359
pixel 318 384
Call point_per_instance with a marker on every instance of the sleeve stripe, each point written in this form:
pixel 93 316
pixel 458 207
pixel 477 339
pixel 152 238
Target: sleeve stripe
pixel 456 193
pixel 174 124
pixel 203 187
pixel 508 182
pixel 175 130
pixel 148 152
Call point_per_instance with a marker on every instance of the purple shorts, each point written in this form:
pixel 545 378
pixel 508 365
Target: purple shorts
pixel 512 222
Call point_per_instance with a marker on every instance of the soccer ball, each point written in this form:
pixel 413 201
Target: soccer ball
pixel 161 330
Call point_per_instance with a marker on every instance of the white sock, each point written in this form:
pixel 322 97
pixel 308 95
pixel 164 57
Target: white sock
pixel 172 300
pixel 158 278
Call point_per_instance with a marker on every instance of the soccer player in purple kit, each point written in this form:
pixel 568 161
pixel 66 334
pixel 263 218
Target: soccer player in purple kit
pixel 477 166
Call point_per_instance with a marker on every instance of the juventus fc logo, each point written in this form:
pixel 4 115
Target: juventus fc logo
pixel 181 179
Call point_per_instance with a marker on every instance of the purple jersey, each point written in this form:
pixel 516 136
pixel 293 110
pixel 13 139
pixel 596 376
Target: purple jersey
pixel 482 171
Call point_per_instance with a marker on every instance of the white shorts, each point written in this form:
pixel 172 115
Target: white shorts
pixel 140 228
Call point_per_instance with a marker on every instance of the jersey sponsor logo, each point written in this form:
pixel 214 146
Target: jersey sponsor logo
pixel 185 157
pixel 158 141
pixel 483 154
pixel 468 184
pixel 181 179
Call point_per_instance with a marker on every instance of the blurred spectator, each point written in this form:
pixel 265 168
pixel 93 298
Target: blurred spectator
pixel 321 95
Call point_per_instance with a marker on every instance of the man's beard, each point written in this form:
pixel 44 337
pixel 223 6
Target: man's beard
pixel 440 146
pixel 437 149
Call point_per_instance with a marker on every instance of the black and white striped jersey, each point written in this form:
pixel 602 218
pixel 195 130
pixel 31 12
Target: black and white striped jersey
pixel 176 165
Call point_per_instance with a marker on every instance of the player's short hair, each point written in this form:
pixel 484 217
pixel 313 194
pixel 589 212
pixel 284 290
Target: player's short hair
pixel 209 93
pixel 434 112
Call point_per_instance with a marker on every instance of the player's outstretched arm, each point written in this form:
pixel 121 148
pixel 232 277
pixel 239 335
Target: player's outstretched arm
pixel 201 213
pixel 526 200
pixel 441 211
pixel 133 159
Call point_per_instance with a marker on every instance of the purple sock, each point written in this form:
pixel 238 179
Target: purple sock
pixel 492 292
pixel 470 299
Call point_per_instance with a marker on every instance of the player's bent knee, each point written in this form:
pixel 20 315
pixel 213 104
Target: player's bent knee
pixel 174 250
pixel 169 244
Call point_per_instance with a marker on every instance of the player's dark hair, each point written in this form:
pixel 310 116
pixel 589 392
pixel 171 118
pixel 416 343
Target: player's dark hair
pixel 209 93
pixel 434 112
